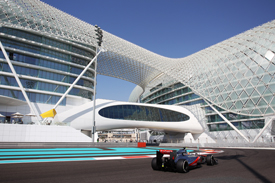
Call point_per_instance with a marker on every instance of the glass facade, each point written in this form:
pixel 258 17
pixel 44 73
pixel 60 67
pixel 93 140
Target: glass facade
pixel 38 56
pixel 173 94
pixel 46 41
pixel 34 97
pixel 179 94
pixel 244 125
pixel 46 75
pixel 142 113
pixel 45 63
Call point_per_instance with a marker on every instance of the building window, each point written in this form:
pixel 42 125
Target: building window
pixel 142 113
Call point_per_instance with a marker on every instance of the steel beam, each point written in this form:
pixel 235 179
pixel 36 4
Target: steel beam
pixel 263 129
pixel 19 82
pixel 76 80
pixel 227 121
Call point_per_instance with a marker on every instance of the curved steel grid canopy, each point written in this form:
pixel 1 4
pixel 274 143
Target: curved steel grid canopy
pixel 236 74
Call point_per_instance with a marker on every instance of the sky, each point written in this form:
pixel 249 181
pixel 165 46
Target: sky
pixel 172 28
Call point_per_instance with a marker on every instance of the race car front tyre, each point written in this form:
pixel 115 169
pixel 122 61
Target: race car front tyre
pixel 182 166
pixel 210 160
pixel 154 164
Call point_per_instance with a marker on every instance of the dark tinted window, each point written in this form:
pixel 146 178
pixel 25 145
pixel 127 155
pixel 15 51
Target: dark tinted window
pixel 142 113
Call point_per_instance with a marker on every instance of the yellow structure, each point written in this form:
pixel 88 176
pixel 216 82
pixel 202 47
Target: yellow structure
pixel 48 114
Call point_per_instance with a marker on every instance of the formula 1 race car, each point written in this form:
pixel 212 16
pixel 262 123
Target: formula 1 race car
pixel 180 160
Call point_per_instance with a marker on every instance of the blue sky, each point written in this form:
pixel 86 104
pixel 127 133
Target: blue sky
pixel 172 28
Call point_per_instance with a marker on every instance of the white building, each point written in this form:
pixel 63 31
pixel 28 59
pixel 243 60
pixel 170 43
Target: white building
pixel 227 89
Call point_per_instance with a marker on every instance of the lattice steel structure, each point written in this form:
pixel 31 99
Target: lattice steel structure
pixel 237 74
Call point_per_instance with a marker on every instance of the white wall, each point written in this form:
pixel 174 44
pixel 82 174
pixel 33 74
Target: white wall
pixel 40 133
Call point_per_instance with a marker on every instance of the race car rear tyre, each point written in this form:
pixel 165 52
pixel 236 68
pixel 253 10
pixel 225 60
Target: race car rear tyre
pixel 154 164
pixel 182 166
pixel 210 160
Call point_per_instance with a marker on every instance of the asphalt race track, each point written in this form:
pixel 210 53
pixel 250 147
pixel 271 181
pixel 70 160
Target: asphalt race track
pixel 235 165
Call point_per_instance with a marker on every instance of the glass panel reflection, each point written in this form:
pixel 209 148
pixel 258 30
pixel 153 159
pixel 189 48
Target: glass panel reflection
pixel 142 113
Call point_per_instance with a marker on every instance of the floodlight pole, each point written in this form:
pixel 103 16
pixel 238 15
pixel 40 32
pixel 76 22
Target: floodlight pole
pixel 99 37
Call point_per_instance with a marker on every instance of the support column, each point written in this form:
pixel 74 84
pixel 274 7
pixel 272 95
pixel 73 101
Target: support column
pixel 263 129
pixel 19 83
pixel 226 120
pixel 52 112
pixel 76 80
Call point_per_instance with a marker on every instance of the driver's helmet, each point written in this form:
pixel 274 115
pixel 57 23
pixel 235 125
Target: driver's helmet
pixel 182 151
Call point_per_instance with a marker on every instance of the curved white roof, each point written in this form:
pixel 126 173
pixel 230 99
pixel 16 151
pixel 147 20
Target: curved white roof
pixel 80 118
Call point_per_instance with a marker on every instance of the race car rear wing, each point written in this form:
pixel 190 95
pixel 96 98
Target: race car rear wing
pixel 160 153
pixel 163 151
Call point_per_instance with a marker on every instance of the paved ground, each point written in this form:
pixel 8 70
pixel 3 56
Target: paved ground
pixel 235 165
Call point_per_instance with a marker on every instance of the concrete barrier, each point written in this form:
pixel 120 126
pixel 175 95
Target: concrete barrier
pixel 141 144
pixel 63 144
